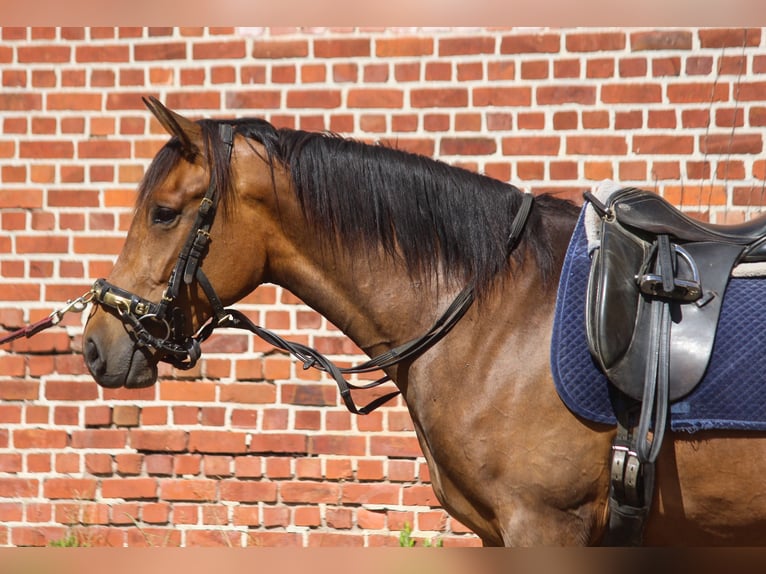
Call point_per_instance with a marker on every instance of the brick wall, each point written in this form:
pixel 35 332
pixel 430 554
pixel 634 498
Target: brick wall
pixel 248 449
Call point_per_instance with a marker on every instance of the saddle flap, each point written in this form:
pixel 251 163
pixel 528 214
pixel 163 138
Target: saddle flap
pixel 621 291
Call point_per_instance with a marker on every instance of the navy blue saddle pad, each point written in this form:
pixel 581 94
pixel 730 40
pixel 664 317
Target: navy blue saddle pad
pixel 732 395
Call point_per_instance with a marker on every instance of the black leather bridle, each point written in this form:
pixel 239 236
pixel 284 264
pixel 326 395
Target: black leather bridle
pixel 138 314
pixel 183 350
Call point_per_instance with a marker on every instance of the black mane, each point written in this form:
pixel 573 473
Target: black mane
pixel 432 216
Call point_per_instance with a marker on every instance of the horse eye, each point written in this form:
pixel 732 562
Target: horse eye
pixel 164 215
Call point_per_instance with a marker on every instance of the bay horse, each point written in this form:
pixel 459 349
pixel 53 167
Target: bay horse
pixel 380 241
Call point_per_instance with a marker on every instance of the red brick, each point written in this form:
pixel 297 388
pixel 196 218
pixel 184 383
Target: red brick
pixel 34 54
pixel 309 394
pixel 10 463
pixel 702 93
pixel 398 47
pixel 729 37
pixel 728 144
pixel 438 72
pixel 533 70
pixel 15 390
pixel 271 539
pixel 160 51
pixel 375 493
pixel 70 488
pixel 370 519
pixel 530 43
pixel 193 490
pixel 278 49
pixel 595 41
pixel 500 97
pixel 696 194
pixel 217 442
pixel 194 100
pixel 750 91
pixel 466 46
pixel 631 93
pixel 309 492
pixel 757 116
pixel 42 149
pixel 656 144
pixel 342 48
pixel 153 537
pixel 322 99
pixel 533 146
pixel 70 391
pixel 103 53
pixel 375 98
pixel 219 50
pixel 11 487
pixel 162 441
pixel 248 491
pixel 99 464
pixel 39 439
pixel 99 438
pixel 20 102
pixel 396 446
pixel 467 146
pixel 585 95
pixel 278 443
pixel 439 98
pixel 156 513
pixel 419 495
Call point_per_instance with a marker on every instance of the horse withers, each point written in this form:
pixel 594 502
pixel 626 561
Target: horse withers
pixel 380 242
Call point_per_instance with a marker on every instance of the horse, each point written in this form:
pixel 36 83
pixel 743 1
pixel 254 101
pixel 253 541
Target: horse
pixel 381 241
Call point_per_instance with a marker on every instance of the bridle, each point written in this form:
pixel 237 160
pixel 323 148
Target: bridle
pixel 183 351
pixel 138 313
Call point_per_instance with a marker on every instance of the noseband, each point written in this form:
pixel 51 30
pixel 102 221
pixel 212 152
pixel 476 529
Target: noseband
pixel 138 314
pixel 183 351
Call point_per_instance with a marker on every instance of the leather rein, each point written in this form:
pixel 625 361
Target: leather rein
pixel 139 315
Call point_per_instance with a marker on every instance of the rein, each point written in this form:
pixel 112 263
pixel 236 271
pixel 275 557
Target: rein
pixel 138 315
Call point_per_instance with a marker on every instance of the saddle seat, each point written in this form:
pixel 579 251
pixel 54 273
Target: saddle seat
pixel 653 214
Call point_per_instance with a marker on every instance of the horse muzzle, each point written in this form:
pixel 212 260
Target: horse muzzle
pixel 113 358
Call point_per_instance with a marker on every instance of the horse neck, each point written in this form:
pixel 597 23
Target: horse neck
pixel 370 298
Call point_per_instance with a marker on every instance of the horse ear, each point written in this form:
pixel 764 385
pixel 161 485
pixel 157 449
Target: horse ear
pixel 188 132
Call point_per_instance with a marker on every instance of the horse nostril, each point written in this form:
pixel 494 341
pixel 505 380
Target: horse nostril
pixel 93 359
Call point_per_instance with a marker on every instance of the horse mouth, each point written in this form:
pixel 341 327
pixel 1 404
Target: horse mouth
pixel 134 369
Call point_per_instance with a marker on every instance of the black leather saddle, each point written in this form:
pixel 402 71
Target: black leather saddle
pixel 651 252
pixel 655 290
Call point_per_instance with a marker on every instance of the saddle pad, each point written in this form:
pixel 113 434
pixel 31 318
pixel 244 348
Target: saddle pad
pixel 731 395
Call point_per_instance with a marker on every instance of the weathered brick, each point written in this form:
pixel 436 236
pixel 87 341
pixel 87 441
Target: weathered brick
pixel 729 37
pixel 661 40
pixel 158 441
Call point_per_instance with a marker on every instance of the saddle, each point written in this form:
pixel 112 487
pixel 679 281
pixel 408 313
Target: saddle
pixel 653 300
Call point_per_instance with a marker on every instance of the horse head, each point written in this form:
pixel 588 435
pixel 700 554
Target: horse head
pixel 180 262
